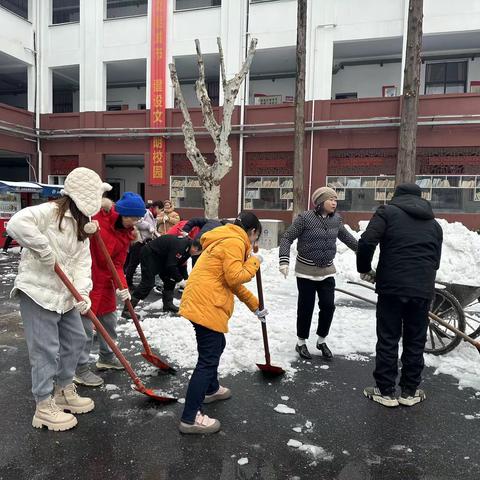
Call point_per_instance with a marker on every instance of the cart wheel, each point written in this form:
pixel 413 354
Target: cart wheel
pixel 472 320
pixel 439 339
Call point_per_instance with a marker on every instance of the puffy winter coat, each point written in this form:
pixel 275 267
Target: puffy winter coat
pixel 178 228
pixel 36 229
pixel 219 273
pixel 167 220
pixel 117 241
pixel 147 226
pixel 205 225
pixel 410 247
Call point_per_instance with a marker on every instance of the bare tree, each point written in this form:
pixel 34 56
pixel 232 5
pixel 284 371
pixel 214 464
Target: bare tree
pixel 298 194
pixel 210 176
pixel 407 144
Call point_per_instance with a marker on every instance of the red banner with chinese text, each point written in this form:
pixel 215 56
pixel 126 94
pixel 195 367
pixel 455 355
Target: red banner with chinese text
pixel 157 91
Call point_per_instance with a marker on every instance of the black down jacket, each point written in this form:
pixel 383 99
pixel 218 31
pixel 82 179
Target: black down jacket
pixel 410 245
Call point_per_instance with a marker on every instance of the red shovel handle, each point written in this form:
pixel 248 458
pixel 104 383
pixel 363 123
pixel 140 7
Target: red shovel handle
pixel 100 328
pixel 118 283
pixel 261 306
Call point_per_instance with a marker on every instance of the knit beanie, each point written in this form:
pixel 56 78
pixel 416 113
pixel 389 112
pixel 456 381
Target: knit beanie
pixel 131 205
pixel 85 188
pixel 323 193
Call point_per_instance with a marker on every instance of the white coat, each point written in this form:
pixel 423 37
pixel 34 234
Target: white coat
pixel 36 229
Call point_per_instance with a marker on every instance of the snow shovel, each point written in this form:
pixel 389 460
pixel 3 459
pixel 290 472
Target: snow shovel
pixel 148 355
pixel 139 386
pixel 267 368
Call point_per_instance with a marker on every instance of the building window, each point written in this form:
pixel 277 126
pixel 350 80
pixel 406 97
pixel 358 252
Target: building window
pixel 125 8
pixel 268 193
pixel 65 86
pixel 447 77
pixel 56 179
pixel 346 96
pixel 65 11
pixel 261 1
pixel 186 192
pixel 19 7
pixel 191 4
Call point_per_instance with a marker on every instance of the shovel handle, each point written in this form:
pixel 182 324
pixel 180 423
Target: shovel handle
pixel 100 328
pixel 261 306
pixel 118 284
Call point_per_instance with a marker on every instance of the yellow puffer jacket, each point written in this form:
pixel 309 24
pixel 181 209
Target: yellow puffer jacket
pixel 219 273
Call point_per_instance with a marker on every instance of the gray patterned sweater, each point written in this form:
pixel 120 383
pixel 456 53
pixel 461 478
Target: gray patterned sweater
pixel 317 237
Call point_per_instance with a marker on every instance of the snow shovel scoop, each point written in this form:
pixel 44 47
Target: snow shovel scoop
pixel 139 386
pixel 148 355
pixel 267 368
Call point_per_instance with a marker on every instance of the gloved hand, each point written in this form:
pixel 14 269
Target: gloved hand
pixel 84 306
pixel 261 314
pixel 123 294
pixel 368 277
pixel 283 270
pixel 48 260
pixel 258 257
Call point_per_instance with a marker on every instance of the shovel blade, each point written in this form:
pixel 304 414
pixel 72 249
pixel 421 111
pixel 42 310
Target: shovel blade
pixel 150 393
pixel 270 370
pixel 160 364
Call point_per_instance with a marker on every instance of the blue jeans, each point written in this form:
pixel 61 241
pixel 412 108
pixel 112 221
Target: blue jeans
pixel 204 381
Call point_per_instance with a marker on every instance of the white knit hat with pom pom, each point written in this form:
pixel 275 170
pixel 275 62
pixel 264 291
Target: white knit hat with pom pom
pixel 85 188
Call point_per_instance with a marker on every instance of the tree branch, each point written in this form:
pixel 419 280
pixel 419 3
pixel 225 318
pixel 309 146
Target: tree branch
pixel 209 120
pixel 197 160
pixel 222 63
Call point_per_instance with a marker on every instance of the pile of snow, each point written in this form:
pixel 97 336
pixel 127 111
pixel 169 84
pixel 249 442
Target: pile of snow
pixel 353 330
pixel 281 408
pixel 318 453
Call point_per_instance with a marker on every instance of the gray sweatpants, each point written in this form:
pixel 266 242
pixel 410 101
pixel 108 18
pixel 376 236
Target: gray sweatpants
pixel 54 342
pixel 109 321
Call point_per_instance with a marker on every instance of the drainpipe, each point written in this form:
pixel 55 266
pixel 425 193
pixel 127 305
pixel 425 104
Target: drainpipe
pixel 246 92
pixel 312 118
pixel 36 56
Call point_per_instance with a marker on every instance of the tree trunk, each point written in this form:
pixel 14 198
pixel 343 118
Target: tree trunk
pixel 407 144
pixel 298 178
pixel 211 198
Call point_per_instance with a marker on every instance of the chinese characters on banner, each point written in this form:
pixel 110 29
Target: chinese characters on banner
pixel 157 91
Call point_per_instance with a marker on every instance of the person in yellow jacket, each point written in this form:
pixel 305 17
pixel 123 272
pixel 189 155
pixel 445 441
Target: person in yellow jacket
pixel 225 265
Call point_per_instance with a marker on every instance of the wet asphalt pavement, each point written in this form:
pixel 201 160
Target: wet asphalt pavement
pixel 129 436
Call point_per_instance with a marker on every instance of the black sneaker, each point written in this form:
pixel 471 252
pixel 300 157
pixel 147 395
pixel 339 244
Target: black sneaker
pixel 374 393
pixel 302 350
pixel 326 352
pixel 409 399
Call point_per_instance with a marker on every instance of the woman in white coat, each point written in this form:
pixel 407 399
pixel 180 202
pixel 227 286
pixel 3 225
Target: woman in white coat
pixel 50 233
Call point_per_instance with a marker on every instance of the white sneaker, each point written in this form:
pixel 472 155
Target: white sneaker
pixel 68 399
pixel 202 425
pixel 223 393
pixel 48 414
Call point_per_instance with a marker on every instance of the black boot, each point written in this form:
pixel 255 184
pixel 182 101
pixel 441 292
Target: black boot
pixel 125 312
pixel 168 305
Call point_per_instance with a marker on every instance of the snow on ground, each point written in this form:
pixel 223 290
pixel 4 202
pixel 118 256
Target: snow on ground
pixel 353 330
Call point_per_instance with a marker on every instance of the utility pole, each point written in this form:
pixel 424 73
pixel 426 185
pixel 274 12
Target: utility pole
pixel 299 204
pixel 407 144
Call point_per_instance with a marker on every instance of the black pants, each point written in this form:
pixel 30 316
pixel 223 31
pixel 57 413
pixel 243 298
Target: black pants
pixel 132 262
pixel 7 243
pixel 395 313
pixel 307 289
pixel 150 268
pixel 204 379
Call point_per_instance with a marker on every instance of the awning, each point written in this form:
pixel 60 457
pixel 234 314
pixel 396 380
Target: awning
pixel 50 190
pixel 19 187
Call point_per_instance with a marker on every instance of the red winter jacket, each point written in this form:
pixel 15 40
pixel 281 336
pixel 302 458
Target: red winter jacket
pixel 117 242
pixel 177 229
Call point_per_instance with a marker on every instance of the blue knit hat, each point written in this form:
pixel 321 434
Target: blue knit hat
pixel 131 205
